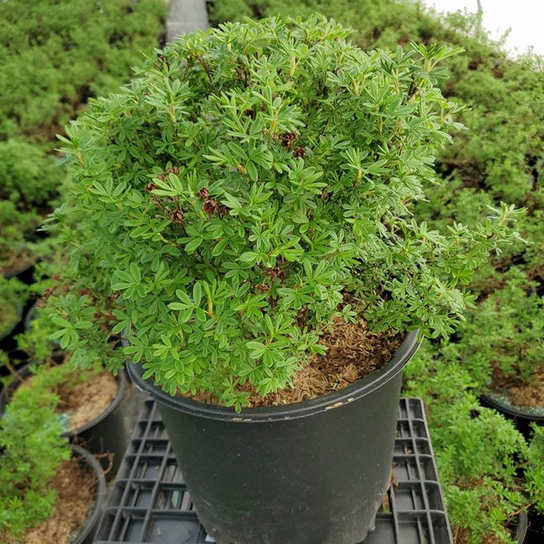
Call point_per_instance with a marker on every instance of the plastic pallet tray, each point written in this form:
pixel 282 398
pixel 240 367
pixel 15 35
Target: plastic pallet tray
pixel 150 502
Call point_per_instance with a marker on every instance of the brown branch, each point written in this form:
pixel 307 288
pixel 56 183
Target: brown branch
pixel 208 72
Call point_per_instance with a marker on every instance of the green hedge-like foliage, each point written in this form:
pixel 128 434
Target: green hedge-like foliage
pixel 499 157
pixel 54 56
pixel 480 454
pixel 56 53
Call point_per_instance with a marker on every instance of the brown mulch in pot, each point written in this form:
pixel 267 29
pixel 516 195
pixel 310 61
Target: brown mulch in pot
pixel 519 392
pixel 75 485
pixel 87 400
pixel 353 352
pixel 84 400
pixel 18 262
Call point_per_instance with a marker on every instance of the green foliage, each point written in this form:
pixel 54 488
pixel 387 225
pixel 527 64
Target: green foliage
pixel 479 453
pixel 244 183
pixel 36 342
pixel 32 450
pixel 56 54
pixel 500 155
pixel 82 326
pixel 29 182
pixel 13 294
pixel 15 249
pixel 28 176
pixel 506 331
pixel 534 472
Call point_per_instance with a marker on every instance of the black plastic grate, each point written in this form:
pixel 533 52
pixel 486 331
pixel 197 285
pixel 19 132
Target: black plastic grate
pixel 150 503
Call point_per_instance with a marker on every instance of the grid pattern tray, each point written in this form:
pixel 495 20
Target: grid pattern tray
pixel 150 502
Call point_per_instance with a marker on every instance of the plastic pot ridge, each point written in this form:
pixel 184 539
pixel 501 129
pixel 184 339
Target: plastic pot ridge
pixel 312 472
pixel 87 532
pixel 521 417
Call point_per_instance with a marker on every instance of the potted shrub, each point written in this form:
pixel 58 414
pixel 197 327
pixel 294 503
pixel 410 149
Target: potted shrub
pixel 490 476
pixel 501 345
pixel 246 202
pixel 48 492
pixel 92 403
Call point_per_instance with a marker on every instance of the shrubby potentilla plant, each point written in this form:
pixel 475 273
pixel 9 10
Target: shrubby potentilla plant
pixel 250 185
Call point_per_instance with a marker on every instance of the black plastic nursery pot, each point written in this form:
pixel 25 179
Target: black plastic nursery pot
pixel 522 417
pixel 307 473
pixel 106 436
pixel 25 274
pixel 535 531
pixel 150 502
pixel 86 534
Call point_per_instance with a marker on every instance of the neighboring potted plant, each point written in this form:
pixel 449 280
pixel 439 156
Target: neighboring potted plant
pixel 92 402
pixel 48 493
pixel 501 344
pixel 534 477
pixel 491 478
pixel 246 203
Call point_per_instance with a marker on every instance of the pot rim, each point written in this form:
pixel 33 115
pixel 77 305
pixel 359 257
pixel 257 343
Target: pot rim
pixel 29 316
pixel 509 409
pixel 121 380
pixel 96 512
pixel 296 410
pixel 522 527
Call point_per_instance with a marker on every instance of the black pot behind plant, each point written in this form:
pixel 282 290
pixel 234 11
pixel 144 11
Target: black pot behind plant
pixel 535 532
pixel 305 473
pixel 25 273
pixel 106 436
pixel 521 416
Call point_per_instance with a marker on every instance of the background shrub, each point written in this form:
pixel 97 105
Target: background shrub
pixel 56 54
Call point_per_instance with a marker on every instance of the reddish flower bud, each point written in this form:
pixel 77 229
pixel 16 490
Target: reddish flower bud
pixel 210 206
